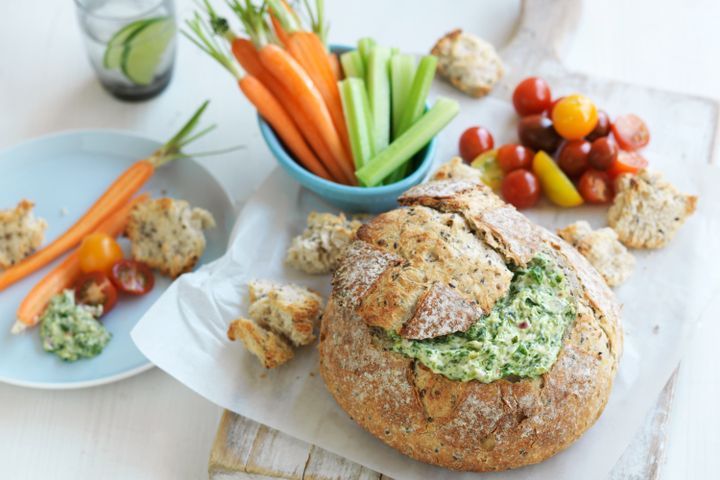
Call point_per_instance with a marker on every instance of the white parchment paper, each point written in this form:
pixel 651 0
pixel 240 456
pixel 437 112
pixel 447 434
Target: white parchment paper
pixel 184 332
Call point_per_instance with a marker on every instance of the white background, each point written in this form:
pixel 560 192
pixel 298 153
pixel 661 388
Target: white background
pixel 151 426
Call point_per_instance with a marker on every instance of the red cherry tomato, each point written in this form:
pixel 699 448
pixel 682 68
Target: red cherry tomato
pixel 521 188
pixel 474 141
pixel 574 116
pixel 95 289
pixel 573 157
pixel 511 157
pixel 531 96
pixel 132 277
pixel 630 132
pixel 549 110
pixel 627 162
pixel 537 133
pixel 602 153
pixel 595 187
pixel 602 127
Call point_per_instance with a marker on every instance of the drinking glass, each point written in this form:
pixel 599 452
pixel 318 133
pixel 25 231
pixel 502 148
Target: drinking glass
pixel 131 44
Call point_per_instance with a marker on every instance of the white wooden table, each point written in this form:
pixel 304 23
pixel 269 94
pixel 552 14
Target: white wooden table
pixel 151 426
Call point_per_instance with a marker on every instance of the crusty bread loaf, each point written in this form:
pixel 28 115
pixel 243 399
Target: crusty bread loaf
pixel 422 271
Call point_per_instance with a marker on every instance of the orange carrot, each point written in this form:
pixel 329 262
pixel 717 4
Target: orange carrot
pixel 315 62
pixel 115 196
pixel 280 32
pixel 335 65
pixel 63 276
pixel 271 110
pixel 289 73
pixel 247 55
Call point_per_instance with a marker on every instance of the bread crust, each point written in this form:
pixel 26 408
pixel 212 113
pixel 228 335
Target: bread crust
pixel 471 425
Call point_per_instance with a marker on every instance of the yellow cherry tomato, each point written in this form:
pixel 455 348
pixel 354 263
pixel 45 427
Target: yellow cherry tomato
pixel 490 172
pixel 98 252
pixel 556 185
pixel 574 117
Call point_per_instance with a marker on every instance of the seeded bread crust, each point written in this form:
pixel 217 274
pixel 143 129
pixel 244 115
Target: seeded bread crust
pixel 167 234
pixel 21 233
pixel 473 426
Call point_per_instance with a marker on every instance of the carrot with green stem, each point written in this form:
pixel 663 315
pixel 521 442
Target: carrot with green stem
pixel 64 275
pixel 117 194
pixel 263 100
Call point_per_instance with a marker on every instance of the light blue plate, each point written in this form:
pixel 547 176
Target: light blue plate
pixel 64 174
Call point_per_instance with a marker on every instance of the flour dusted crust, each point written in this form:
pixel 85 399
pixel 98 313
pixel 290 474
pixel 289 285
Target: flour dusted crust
pixel 471 425
pixel 167 234
pixel 21 233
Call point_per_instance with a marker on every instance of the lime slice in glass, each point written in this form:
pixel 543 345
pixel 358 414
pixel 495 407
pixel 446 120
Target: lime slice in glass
pixel 144 49
pixel 116 45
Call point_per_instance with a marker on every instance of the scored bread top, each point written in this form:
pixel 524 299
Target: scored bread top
pixel 397 276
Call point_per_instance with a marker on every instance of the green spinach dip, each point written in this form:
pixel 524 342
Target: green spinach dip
pixel 71 331
pixel 520 337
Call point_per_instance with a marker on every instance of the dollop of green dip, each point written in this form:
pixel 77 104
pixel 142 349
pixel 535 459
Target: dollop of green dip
pixel 71 331
pixel 520 337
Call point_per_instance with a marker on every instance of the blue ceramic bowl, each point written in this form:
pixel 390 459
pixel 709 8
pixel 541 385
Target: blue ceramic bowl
pixel 348 198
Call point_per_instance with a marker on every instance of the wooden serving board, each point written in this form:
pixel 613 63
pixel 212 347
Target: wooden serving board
pixel 244 449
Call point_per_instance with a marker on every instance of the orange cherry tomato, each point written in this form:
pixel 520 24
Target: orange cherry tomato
pixel 627 162
pixel 98 252
pixel 574 117
pixel 630 132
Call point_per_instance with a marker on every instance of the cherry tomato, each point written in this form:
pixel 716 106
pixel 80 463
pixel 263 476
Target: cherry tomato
pixel 98 252
pixel 602 153
pixel 573 157
pixel 95 288
pixel 537 133
pixel 511 157
pixel 549 110
pixel 474 141
pixel 595 187
pixel 556 185
pixel 574 117
pixel 132 277
pixel 521 188
pixel 630 132
pixel 602 127
pixel 531 96
pixel 627 162
pixel 490 173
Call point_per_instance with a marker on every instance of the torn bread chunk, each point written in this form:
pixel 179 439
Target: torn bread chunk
pixel 319 248
pixel 21 233
pixel 167 234
pixel 602 249
pixel 456 169
pixel 648 211
pixel 468 62
pixel 288 310
pixel 271 349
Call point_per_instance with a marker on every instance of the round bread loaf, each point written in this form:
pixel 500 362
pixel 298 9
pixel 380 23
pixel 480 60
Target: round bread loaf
pixel 437 266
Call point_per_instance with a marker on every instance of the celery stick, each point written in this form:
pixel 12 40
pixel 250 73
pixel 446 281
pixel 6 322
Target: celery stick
pixel 409 143
pixel 378 84
pixel 402 72
pixel 352 64
pixel 415 105
pixel 364 46
pixel 357 116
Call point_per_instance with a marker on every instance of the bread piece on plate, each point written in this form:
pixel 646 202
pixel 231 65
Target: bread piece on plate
pixel 648 210
pixel 318 249
pixel 167 234
pixel 429 372
pixel 468 62
pixel 21 233
pixel 602 249
pixel 456 169
pixel 271 349
pixel 288 310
